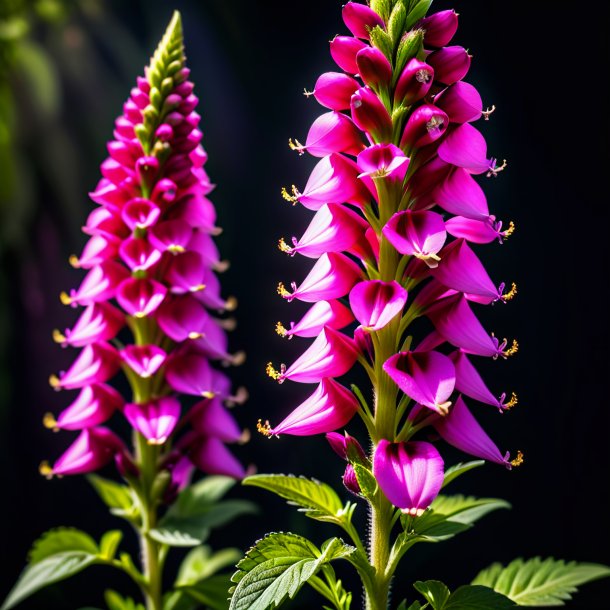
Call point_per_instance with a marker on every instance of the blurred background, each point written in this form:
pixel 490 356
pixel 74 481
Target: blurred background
pixel 65 69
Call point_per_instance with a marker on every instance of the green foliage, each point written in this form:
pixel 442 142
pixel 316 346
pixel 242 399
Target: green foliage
pixel 114 601
pixel 411 45
pixel 382 40
pixel 382 8
pixel 396 23
pixel 417 11
pixel 116 496
pixel 211 592
pixel 201 563
pixel 459 469
pixel 366 481
pixel 276 568
pixel 59 540
pixel 435 592
pixel 538 582
pixel 468 597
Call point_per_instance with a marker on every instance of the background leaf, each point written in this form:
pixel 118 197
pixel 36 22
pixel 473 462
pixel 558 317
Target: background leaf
pixel 472 597
pixel 435 592
pixel 59 540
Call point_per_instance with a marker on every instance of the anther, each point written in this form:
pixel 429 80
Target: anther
pixel 264 429
pixel 518 461
pixel 74 262
pixel 274 374
pixel 65 298
pixel 58 337
pixel 45 470
pixel 283 246
pixel 512 402
pixel 296 145
pixel 280 330
pixel 487 113
pixel 307 93
pixel 291 198
pixel 54 382
pixel 510 294
pixel 511 229
pixel 175 249
pixel 231 304
pixel 494 171
pixel 281 290
pixel 512 350
pixel 208 394
pixel 195 335
pixel 49 422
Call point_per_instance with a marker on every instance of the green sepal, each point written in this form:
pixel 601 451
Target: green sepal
pixel 366 481
pixel 396 24
pixel 117 497
pixel 417 11
pixel 382 8
pixel 540 582
pixel 411 45
pixel 381 39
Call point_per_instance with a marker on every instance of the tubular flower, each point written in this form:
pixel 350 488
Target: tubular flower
pixel 397 227
pixel 151 263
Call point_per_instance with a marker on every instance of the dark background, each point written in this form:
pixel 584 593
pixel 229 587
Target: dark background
pixel 543 65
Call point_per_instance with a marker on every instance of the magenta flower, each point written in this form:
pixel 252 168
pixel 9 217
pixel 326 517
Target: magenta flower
pixel 376 303
pixel 409 474
pixel 332 314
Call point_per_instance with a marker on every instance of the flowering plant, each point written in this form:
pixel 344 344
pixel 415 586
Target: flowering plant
pixel 148 301
pixel 398 217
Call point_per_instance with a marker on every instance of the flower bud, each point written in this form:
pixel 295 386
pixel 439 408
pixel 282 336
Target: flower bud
pixel 462 103
pixel 351 481
pixel 414 83
pixel 343 50
pixel 439 28
pixel 373 66
pixel 360 19
pixel 427 124
pixel 370 115
pixel 450 64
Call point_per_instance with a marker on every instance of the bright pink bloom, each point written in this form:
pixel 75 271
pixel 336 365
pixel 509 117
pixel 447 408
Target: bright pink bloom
pixel 450 64
pixel 324 313
pixel 98 285
pixel 140 214
pixel 414 83
pixel 330 407
pixel 140 297
pixel 345 446
pixel 460 194
pixel 462 103
pixel 373 67
pixel 335 89
pixel 426 377
pixel 331 277
pixel 186 273
pixel 370 115
pixel 182 318
pixel 439 28
pixel 419 234
pixel 98 322
pixel 360 19
pixel 155 420
pixel 478 231
pixel 343 50
pixel 332 354
pixel 409 474
pixel 143 360
pixel 211 456
pixel 190 374
pixel 332 132
pixel 465 147
pixel 97 250
pixel 138 254
pixel 383 161
pixel 210 418
pixel 426 124
pixel 172 235
pixel 375 303
pixel 96 363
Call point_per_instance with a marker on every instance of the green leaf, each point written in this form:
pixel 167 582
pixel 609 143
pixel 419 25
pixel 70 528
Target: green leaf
pixel 176 537
pixel 466 509
pixel 315 498
pixel 47 572
pixel 366 481
pixel 113 494
pixel 417 12
pixel 200 564
pixel 110 543
pixel 117 602
pixel 471 597
pixel 459 469
pixel 212 592
pixel 537 582
pixel 277 567
pixel 60 540
pixel 381 39
pixel 434 591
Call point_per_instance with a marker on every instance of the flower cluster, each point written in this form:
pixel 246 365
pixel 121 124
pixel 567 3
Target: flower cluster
pixel 150 294
pixel 398 216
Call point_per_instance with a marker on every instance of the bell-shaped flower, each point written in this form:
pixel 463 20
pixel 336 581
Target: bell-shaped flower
pixel 171 236
pixel 414 82
pixel 139 254
pixel 457 324
pixel 346 447
pixel 343 49
pixel 103 222
pixel 154 420
pixel 331 277
pixel 140 297
pixel 98 285
pixel 203 244
pixel 324 313
pixel 461 270
pixel 335 89
pixel 478 231
pixel 450 64
pixel 333 132
pixel 143 360
pixel 333 180
pixel 97 250
pixel 375 303
pixel 92 450
pixel 383 161
pixel 370 114
pixel 210 418
pixel 460 194
pixel 211 456
pixel 350 480
pixel 426 124
pixel 426 377
pixel 360 19
pixel 197 211
pixel 373 67
pixel 409 474
pixel 190 373
pixel 462 103
pixel 96 363
pixel 98 322
pixel 140 214
pixel 465 146
pixel 461 430
pixel 214 344
pixel 94 405
pixel 468 381
pixel 332 354
pixel 419 234
pixel 334 228
pixel 330 407
pixel 182 318
pixel 439 28
pixel 210 296
pixel 186 273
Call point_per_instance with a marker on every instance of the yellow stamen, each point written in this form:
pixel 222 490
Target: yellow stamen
pixel 518 461
pixel 444 408
pixel 283 246
pixel 139 315
pixel 175 249
pixel 208 394
pixel 74 262
pixel 272 372
pixel 156 441
pixel 264 429
pixel 511 293
pixel 54 382
pixel 281 290
pixel 291 198
pixel 280 330
pixel 296 145
pixel 194 336
pixel 58 337
pixel 512 402
pixel 49 422
pixel 231 304
pixel 65 298
pixel 197 288
pixel 512 350
pixel 45 470
pixel 511 229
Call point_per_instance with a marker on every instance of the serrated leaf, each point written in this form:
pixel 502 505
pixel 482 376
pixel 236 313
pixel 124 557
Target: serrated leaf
pixel 537 582
pixel 200 564
pixel 110 543
pixel 470 597
pixel 435 592
pixel 46 572
pixel 277 567
pixel 212 592
pixel 176 537
pixel 458 470
pixel 315 497
pixel 60 540
pixel 113 494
